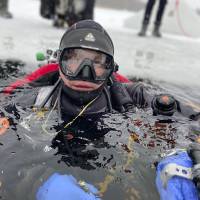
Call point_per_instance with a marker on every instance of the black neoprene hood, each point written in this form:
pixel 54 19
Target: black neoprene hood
pixel 87 34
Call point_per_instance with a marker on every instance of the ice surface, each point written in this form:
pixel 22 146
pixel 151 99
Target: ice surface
pixel 173 59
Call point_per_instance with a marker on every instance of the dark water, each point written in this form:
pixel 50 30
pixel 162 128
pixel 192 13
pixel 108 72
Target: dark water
pixel 10 70
pixel 120 164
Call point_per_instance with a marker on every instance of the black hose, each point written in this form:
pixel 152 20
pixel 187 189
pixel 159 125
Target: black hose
pixel 50 93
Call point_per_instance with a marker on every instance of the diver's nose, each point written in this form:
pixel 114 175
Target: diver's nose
pixel 86 72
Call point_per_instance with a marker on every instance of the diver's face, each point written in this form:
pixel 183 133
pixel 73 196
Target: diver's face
pixel 73 59
pixel 79 85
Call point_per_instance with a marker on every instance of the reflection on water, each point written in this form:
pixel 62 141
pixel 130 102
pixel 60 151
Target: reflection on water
pixel 11 67
pixel 120 163
pixel 10 70
pixel 112 163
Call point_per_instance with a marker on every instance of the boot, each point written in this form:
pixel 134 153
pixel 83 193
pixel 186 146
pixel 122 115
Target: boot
pixel 4 9
pixel 143 31
pixel 6 14
pixel 156 31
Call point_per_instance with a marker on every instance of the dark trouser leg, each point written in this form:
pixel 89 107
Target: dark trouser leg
pixel 3 6
pixel 47 8
pixel 88 12
pixel 60 12
pixel 161 9
pixel 160 12
pixel 148 11
pixel 52 5
pixel 147 16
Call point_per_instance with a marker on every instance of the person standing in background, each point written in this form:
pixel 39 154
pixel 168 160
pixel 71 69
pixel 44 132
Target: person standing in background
pixel 71 11
pixel 4 9
pixel 67 12
pixel 47 8
pixel 147 15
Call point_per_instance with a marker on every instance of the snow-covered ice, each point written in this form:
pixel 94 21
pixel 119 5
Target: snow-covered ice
pixel 174 58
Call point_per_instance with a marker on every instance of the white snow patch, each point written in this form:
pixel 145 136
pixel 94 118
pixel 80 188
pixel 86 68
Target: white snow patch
pixel 174 58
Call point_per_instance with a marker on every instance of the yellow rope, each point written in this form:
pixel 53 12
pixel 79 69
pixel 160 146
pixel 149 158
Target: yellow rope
pixel 81 112
pixel 44 126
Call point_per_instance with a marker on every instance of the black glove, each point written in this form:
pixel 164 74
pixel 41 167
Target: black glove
pixel 164 104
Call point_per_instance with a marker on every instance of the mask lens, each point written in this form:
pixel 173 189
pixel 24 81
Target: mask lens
pixel 72 61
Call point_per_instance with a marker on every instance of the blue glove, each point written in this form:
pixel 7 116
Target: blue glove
pixel 177 188
pixel 66 187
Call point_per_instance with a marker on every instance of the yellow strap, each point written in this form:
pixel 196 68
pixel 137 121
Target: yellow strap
pixel 68 124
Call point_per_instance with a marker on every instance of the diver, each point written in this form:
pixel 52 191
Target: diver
pixel 4 9
pixel 147 15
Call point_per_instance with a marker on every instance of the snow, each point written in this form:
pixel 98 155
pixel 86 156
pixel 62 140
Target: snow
pixel 194 4
pixel 173 59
